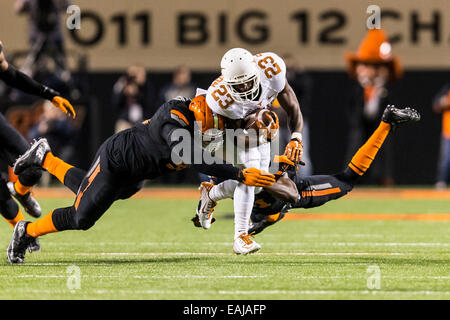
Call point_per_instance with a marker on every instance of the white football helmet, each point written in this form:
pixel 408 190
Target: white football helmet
pixel 240 74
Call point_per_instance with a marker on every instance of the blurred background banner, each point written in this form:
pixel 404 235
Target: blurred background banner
pixel 161 35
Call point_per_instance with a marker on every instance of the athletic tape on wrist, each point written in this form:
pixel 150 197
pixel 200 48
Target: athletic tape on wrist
pixel 297 135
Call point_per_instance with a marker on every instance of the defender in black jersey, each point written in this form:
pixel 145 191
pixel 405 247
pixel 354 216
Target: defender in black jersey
pixel 122 163
pixel 291 191
pixel 13 144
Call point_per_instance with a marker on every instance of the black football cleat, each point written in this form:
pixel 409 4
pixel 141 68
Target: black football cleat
pixel 30 204
pixel 33 157
pixel 395 116
pixel 19 243
pixel 259 222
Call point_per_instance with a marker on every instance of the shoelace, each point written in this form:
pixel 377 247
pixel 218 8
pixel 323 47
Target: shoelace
pixel 246 238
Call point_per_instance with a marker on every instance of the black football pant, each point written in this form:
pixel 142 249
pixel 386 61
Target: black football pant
pixel 12 145
pixel 316 190
pixel 96 190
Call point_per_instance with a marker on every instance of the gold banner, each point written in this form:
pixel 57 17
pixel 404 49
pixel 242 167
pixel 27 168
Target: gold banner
pixel 163 34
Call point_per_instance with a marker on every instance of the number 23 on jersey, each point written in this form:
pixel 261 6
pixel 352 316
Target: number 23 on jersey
pixel 222 96
pixel 270 67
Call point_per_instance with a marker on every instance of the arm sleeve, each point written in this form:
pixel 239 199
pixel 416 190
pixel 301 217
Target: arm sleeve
pixel 21 81
pixel 225 170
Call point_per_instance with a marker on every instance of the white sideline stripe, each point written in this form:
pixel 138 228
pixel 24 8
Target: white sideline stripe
pixel 134 277
pixel 112 243
pixel 325 243
pixel 232 254
pixel 217 277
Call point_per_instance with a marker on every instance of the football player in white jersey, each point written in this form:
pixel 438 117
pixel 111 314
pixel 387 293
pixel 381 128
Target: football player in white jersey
pixel 249 82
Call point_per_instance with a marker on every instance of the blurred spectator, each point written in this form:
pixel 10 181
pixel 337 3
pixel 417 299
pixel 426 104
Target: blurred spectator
pixel 180 86
pixel 46 38
pixel 131 97
pixel 57 129
pixel 441 104
pixel 373 66
pixel 301 83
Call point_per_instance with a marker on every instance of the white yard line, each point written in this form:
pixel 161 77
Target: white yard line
pixel 156 254
pixel 34 276
pixel 275 243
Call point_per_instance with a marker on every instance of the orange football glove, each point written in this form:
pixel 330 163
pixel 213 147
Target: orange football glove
pixel 256 178
pixel 284 164
pixel 64 105
pixel 294 151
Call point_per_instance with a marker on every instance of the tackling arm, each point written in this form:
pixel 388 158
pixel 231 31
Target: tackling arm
pixel 248 176
pixel 284 189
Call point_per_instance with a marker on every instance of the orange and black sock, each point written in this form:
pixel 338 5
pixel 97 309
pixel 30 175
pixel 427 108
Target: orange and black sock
pixel 56 166
pixel 17 218
pixel 20 188
pixel 42 226
pixel 362 159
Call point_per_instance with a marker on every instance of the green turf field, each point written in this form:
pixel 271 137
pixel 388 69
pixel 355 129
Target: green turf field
pixel 148 249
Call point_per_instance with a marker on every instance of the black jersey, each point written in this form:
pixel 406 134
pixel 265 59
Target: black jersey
pixel 146 150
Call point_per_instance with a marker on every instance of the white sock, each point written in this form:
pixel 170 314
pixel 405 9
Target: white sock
pixel 224 190
pixel 243 205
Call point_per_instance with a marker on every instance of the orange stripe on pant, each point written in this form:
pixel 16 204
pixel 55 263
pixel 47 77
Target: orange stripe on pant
pixel 318 193
pixel 91 178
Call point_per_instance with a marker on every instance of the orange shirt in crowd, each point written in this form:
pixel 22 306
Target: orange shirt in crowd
pixel 446 121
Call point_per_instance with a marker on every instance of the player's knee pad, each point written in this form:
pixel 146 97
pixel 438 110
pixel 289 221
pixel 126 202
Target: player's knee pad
pixel 30 176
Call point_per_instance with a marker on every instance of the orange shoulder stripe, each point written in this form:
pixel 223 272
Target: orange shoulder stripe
pixel 180 115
